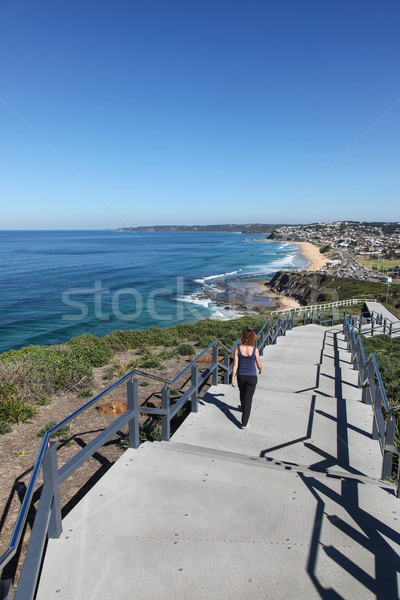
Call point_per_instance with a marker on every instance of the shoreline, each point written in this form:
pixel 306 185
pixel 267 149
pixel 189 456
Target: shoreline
pixel 255 295
pixel 311 252
pixel 249 296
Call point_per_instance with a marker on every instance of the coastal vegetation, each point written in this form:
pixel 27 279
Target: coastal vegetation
pixel 387 354
pixel 30 376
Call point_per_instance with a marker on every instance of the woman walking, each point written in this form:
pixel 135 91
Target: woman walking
pixel 245 359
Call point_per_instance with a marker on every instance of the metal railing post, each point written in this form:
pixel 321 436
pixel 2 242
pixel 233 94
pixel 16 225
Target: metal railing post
pixel 165 419
pixel 195 383
pixel 390 329
pixel 214 377
pixel 366 393
pixel 133 404
pixel 389 441
pixel 261 349
pixel 377 410
pixel 50 478
pixel 226 370
pixel 6 590
pixel 267 335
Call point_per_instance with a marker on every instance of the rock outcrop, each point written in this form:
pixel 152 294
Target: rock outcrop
pixel 306 288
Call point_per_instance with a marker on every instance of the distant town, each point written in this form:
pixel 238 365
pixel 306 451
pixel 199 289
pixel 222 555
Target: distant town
pixel 357 249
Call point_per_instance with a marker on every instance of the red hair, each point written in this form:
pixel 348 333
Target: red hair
pixel 248 337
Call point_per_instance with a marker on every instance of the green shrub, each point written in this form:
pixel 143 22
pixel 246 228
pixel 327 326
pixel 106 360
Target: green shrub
pixel 156 433
pixel 116 369
pixel 85 393
pixel 16 410
pixel 4 427
pixel 48 369
pixel 62 433
pixel 150 363
pixel 204 341
pixel 185 349
pixel 91 349
pixel 8 390
pixel 169 353
pixel 149 360
pixel 13 409
pixel 387 354
pixel 43 400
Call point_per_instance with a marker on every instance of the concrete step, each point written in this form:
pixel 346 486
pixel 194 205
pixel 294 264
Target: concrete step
pixel 266 462
pixel 158 525
pixel 335 351
pixel 297 348
pixel 298 378
pixel 324 432
pixel 290 508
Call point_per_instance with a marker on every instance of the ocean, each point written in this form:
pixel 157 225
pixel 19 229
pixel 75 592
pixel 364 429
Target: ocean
pixel 58 284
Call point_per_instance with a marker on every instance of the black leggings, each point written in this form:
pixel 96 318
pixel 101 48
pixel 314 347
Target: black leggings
pixel 247 385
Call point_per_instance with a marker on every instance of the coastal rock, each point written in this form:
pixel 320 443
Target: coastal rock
pixel 306 288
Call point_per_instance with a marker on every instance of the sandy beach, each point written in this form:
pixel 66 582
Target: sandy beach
pixel 312 253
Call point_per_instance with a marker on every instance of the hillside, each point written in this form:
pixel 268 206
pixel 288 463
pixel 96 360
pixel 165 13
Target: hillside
pixel 313 288
pixel 222 228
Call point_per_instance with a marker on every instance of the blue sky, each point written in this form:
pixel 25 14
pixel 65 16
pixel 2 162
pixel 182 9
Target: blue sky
pixel 198 111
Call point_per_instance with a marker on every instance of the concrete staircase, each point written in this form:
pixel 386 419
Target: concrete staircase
pixel 389 318
pixel 290 508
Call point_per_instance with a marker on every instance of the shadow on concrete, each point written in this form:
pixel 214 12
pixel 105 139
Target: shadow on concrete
pixel 342 458
pixel 367 532
pixel 225 408
pixel 307 436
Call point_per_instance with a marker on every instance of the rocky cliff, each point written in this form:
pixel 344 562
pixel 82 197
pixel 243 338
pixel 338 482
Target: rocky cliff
pixel 306 288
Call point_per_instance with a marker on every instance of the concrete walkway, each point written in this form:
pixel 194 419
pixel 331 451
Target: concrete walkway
pixel 290 508
pixel 390 320
pixel 377 308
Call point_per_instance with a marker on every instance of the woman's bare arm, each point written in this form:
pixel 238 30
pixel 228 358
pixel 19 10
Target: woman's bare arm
pixel 235 367
pixel 258 361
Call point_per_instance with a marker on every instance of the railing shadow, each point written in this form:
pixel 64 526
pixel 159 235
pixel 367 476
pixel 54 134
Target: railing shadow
pixel 327 460
pixel 368 532
pixel 307 436
pixel 225 408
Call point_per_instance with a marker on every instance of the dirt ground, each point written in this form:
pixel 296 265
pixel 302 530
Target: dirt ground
pixel 19 448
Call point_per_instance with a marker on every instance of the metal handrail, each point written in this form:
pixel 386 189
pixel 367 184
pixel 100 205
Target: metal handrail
pixel 276 329
pixel 383 429
pixel 23 512
pixel 378 376
pixel 216 341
